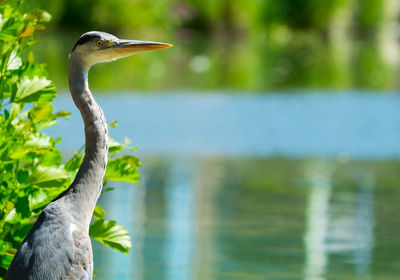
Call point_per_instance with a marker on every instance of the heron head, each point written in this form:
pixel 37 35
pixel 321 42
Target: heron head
pixel 95 47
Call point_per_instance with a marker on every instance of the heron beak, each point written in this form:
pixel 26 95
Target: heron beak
pixel 127 47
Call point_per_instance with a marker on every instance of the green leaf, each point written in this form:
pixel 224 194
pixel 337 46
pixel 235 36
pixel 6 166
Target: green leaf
pixel 73 164
pixel 7 253
pixel 123 169
pixel 49 176
pixel 63 114
pixel 99 212
pixel 9 30
pixel 108 189
pixel 39 14
pixel 42 112
pixel 35 90
pixel 112 235
pixel 17 153
pixel 42 116
pixel 38 198
pixel 39 141
pixel 14 62
pixel 114 146
pixel 113 124
pixel 21 232
pixel 22 207
pixel 22 176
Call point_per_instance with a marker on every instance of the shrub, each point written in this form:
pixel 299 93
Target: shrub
pixel 32 172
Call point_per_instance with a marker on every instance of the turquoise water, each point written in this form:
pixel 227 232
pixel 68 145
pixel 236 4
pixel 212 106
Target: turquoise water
pixel 357 125
pixel 274 186
pixel 257 219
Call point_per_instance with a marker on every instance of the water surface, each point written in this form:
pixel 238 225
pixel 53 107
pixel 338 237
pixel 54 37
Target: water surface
pixel 257 219
pixel 358 125
pixel 254 186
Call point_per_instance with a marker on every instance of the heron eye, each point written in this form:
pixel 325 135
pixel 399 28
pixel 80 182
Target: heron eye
pixel 99 43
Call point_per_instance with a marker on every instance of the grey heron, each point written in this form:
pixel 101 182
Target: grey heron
pixel 58 245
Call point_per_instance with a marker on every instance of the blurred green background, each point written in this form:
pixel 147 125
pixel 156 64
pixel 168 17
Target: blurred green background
pixel 281 184
pixel 256 45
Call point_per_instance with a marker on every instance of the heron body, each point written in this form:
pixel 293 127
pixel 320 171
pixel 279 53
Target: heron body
pixel 58 245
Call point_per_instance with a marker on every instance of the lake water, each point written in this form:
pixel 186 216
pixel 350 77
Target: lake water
pixel 354 125
pixel 302 186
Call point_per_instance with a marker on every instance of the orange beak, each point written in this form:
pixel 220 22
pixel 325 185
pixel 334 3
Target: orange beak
pixel 133 46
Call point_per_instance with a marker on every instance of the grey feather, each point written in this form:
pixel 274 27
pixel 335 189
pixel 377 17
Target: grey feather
pixel 51 251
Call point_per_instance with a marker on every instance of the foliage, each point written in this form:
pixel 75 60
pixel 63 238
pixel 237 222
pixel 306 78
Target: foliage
pixel 111 234
pixel 31 168
pixel 300 14
pixel 246 46
pixel 370 14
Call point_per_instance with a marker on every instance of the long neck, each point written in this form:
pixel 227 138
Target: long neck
pixel 82 195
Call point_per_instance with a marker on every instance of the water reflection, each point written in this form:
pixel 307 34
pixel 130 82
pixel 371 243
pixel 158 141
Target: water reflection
pixel 319 175
pixel 267 218
pixel 207 209
pixel 180 221
pixel 341 224
pixel 364 222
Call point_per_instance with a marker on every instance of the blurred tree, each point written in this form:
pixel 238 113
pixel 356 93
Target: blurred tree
pixel 369 16
pixel 299 14
pixel 240 44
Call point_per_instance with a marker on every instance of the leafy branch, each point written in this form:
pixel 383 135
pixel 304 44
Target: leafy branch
pixel 32 172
